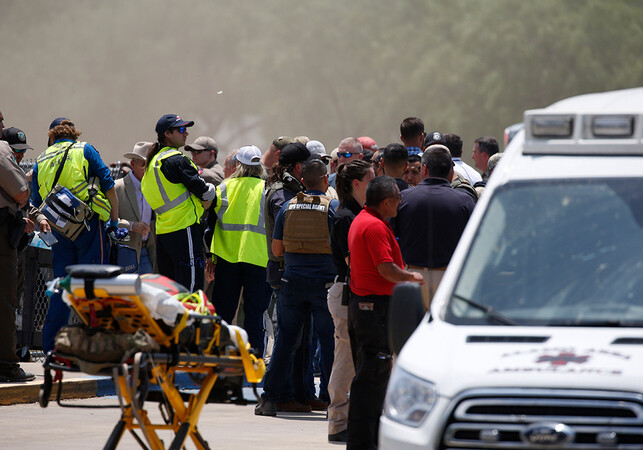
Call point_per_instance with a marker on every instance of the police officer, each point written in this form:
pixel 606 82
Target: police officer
pixel 173 188
pixel 283 185
pixel 17 140
pixel 302 236
pixel 82 163
pixel 14 195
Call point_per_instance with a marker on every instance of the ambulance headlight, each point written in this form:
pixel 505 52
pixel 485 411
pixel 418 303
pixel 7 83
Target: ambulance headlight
pixel 409 399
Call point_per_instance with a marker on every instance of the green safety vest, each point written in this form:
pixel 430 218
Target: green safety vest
pixel 240 232
pixel 73 176
pixel 176 208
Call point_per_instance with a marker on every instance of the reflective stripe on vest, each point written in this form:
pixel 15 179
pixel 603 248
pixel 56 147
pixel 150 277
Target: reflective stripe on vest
pixel 175 206
pixel 260 227
pixel 167 203
pixel 239 234
pixel 73 175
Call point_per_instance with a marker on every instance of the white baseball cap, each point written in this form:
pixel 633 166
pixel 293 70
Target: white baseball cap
pixel 316 147
pixel 249 155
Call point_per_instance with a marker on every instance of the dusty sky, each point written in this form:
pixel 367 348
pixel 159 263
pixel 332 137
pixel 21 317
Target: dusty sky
pixel 115 67
pixel 247 72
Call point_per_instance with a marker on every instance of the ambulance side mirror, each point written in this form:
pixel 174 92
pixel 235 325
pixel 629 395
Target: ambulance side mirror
pixel 405 313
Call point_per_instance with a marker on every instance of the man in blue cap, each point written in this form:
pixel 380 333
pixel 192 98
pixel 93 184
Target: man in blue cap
pixel 80 163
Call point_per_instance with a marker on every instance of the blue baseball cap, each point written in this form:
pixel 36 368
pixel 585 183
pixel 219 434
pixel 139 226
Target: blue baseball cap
pixel 171 121
pixel 57 122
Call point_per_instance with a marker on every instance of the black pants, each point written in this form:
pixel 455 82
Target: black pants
pixel 179 256
pixel 368 331
pixel 229 279
pixel 8 299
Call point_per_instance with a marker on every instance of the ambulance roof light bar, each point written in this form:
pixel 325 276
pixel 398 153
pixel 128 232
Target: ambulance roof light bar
pixel 613 126
pixel 552 126
pixel 584 133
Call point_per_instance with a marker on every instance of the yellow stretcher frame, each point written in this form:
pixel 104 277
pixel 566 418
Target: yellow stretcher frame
pixel 127 313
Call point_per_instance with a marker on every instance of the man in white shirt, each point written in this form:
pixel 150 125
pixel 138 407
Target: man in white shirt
pixel 462 169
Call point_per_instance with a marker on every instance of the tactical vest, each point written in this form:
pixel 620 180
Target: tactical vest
pixel 306 224
pixel 176 208
pixel 74 175
pixel 240 233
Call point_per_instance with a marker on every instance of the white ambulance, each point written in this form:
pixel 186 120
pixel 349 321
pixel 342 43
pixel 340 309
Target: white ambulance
pixel 535 335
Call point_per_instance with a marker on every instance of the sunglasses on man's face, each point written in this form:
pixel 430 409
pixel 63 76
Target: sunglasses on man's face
pixel 198 152
pixel 180 129
pixel 345 154
pixel 20 151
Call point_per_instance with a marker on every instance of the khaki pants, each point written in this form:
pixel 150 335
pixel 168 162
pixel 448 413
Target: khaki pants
pixel 432 278
pixel 343 367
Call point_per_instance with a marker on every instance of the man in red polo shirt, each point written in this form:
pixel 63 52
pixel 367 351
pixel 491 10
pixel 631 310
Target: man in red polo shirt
pixel 376 265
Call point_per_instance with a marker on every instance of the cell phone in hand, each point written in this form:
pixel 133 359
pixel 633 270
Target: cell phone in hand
pixel 48 238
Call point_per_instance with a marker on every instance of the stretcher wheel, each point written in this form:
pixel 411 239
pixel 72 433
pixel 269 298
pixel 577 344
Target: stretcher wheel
pixel 45 390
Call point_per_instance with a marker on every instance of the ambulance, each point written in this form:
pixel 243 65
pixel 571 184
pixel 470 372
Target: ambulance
pixel 534 339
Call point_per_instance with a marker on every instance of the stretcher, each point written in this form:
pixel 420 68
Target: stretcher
pixel 158 337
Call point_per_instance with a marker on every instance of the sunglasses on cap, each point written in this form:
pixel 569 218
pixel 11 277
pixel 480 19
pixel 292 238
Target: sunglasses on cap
pixel 180 129
pixel 345 154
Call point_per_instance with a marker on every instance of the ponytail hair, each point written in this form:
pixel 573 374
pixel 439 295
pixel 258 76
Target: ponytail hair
pixel 151 153
pixel 346 173
pixel 154 149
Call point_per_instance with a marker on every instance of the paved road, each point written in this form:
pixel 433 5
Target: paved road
pixel 224 426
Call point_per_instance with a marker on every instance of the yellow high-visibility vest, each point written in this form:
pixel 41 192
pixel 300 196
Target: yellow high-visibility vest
pixel 176 208
pixel 73 175
pixel 240 232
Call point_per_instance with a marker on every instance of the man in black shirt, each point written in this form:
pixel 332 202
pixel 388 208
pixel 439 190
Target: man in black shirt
pixel 395 160
pixel 431 218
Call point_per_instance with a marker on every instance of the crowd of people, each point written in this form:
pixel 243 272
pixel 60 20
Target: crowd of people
pixel 305 245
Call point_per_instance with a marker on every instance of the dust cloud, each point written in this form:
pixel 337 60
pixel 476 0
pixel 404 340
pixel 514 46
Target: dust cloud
pixel 248 72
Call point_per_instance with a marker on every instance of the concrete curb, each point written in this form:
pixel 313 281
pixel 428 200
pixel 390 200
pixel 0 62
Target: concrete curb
pixel 72 388
pixel 76 385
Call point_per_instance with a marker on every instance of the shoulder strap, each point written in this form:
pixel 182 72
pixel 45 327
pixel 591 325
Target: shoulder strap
pixel 62 163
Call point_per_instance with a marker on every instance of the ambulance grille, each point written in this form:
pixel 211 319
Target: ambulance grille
pixel 544 418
